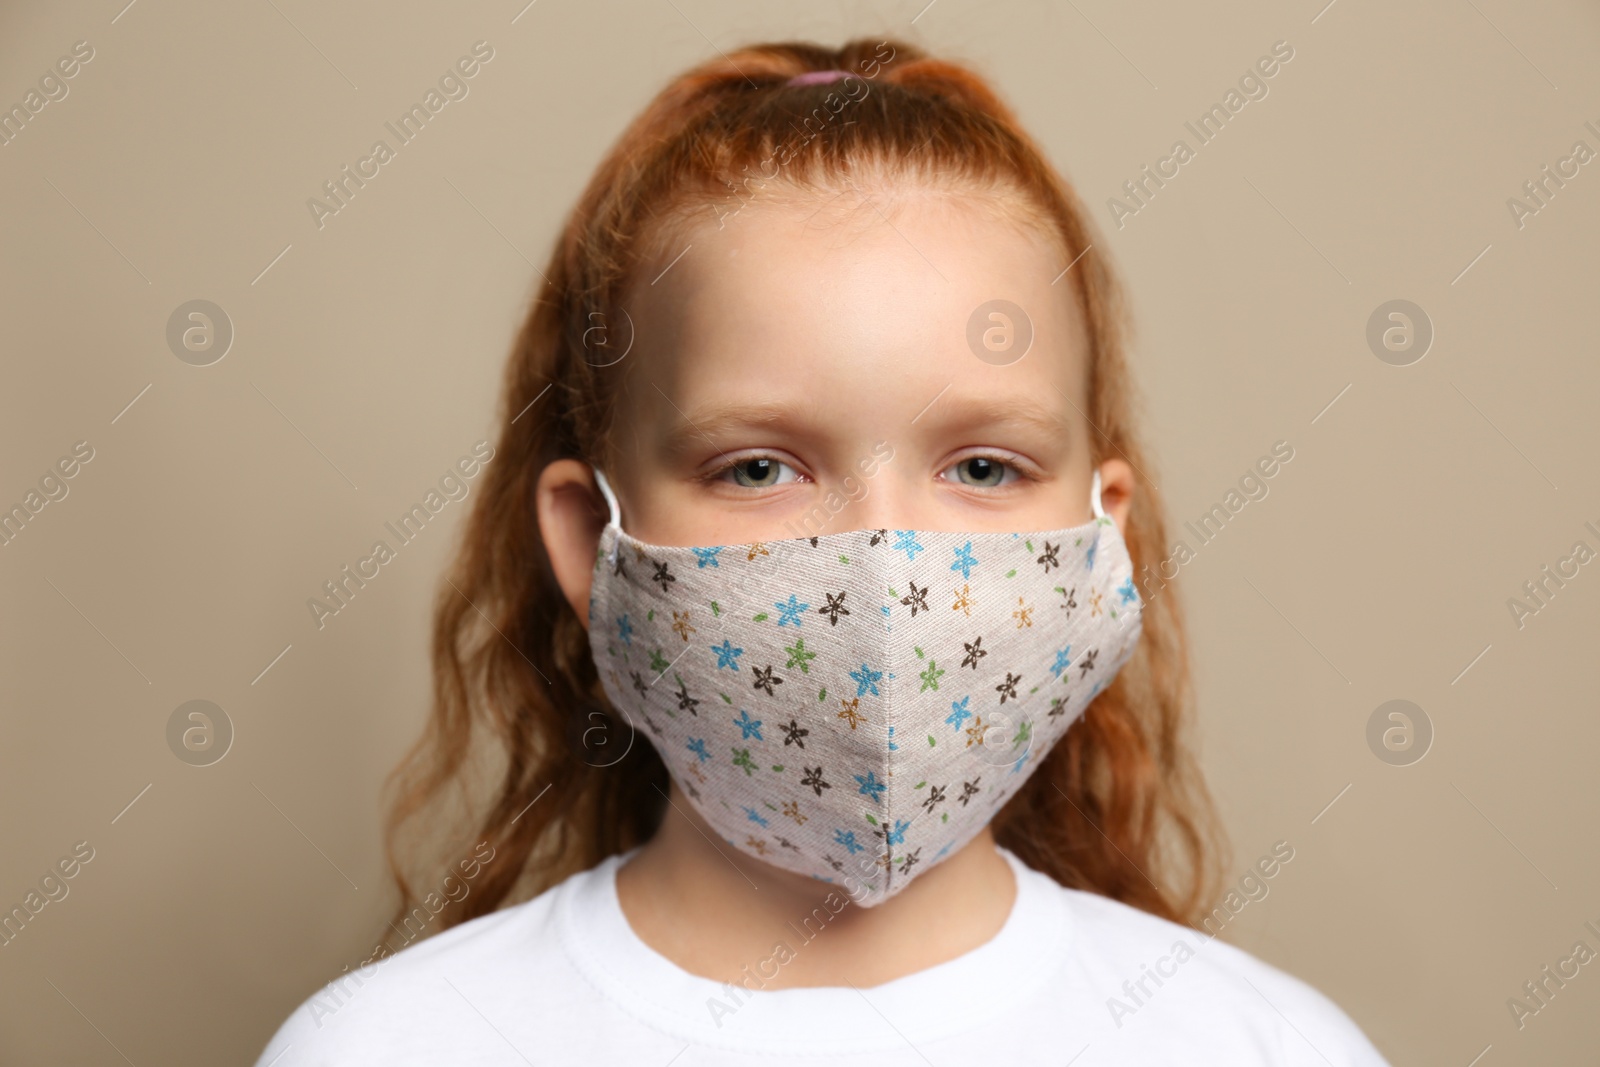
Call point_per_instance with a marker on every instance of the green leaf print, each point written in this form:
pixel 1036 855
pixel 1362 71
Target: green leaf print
pixel 799 656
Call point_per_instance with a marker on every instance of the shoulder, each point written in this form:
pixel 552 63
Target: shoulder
pixel 391 1010
pixel 1159 983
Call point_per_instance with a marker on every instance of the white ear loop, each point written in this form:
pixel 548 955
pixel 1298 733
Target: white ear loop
pixel 611 498
pixel 1094 496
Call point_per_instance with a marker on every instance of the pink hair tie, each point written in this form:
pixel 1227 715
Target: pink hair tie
pixel 817 77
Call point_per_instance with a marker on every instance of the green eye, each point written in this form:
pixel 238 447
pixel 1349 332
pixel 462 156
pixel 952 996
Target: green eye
pixel 761 472
pixel 980 471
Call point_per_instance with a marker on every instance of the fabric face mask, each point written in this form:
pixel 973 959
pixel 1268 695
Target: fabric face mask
pixel 856 706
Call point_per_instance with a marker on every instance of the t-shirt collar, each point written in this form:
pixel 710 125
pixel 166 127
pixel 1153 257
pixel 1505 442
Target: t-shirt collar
pixel 991 979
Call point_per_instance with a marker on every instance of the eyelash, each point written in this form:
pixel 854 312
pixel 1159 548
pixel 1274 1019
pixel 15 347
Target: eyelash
pixel 724 472
pixel 1009 465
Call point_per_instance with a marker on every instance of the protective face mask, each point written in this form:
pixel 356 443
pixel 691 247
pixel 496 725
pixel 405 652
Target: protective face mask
pixel 856 706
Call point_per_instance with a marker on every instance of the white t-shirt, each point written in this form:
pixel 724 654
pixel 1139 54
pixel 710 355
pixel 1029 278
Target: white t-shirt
pixel 563 979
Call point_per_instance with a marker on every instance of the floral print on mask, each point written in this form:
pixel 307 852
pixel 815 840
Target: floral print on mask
pixel 858 705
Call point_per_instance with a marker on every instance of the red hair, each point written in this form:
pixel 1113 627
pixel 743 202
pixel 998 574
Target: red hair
pixel 1117 807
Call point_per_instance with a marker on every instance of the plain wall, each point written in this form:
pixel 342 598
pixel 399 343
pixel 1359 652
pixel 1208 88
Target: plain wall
pixel 366 360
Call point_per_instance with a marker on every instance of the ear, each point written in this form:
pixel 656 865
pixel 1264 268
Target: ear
pixel 572 514
pixel 1116 490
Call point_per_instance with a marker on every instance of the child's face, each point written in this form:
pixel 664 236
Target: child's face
pixel 806 370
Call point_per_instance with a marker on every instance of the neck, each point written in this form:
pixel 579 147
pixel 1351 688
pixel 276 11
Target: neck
pixel 722 914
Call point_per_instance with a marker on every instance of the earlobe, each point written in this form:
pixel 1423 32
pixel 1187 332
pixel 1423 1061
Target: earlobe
pixel 572 514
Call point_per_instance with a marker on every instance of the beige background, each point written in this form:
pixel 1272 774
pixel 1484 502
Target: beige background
pixel 367 356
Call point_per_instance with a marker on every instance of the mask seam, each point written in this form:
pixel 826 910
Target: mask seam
pixel 891 710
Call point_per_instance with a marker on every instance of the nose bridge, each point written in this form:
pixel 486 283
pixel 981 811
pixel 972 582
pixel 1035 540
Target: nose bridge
pixel 880 502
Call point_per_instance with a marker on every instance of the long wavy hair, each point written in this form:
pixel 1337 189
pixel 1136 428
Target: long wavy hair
pixel 1117 807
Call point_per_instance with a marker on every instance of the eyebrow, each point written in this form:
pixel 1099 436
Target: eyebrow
pixel 951 412
pixel 704 424
pixel 959 412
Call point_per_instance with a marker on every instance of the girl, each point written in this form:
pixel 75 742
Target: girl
pixel 793 664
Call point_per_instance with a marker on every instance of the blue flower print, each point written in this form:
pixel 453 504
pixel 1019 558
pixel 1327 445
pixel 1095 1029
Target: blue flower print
pixel 727 655
pixel 907 542
pixel 1125 590
pixel 871 787
pixel 1017 766
pixel 1088 557
pixel 1062 661
pixel 897 836
pixel 748 727
pixel 706 555
pixel 960 714
pixel 965 561
pixel 697 745
pixel 754 816
pixel 790 612
pixel 866 680
pixel 625 630
pixel 847 838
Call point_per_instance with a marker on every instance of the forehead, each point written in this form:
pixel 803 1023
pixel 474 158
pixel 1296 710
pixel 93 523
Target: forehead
pixel 859 294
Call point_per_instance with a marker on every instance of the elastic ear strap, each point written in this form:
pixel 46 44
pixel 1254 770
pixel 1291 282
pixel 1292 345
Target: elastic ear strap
pixel 611 498
pixel 1094 496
